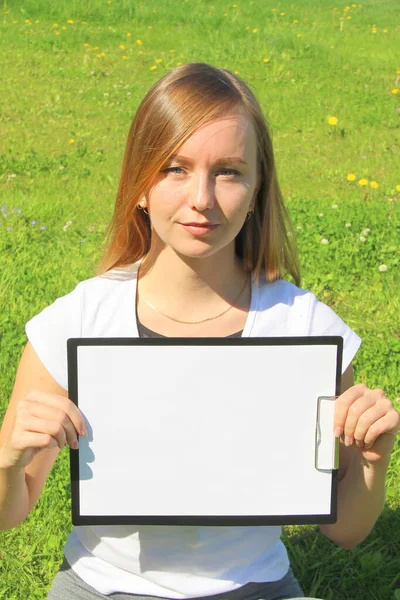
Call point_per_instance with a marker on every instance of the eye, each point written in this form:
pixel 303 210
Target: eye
pixel 174 170
pixel 228 172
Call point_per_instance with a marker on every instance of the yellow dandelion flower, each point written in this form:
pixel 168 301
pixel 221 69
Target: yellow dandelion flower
pixel 234 5
pixel 225 14
pixel 178 64
pixel 395 91
pixel 15 22
pixel 96 48
pixel 354 5
pixel 295 21
pixel 331 46
pixel 247 28
pixel 266 60
pixel 236 72
pixel 64 27
pixel 374 184
pixel 71 141
pixel 139 42
pixel 98 55
pixel 153 67
pixel 282 14
pixel 140 52
pixel 333 120
pixel 56 25
pixel 398 188
pixel 70 21
pixel 172 50
pixel 149 26
pixel 129 35
pixel 182 55
pixel 122 47
pixel 398 70
pixel 158 60
pixel 363 182
pixel 37 21
pixel 274 9
pixel 351 177
pixel 385 30
pixel 349 17
pixel 102 54
pixel 255 30
pixel 374 30
pixel 86 45
pixel 299 35
pixel 84 22
pixel 58 32
pixel 27 20
pixel 124 57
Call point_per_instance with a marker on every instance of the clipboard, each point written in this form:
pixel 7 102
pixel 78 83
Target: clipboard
pixel 205 431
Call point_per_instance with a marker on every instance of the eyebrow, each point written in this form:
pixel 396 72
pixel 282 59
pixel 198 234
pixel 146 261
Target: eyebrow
pixel 227 160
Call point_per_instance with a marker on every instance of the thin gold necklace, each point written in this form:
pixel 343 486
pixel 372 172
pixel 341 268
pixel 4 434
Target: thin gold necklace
pixel 204 320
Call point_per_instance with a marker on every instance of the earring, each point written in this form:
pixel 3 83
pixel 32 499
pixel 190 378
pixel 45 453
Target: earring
pixel 143 208
pixel 249 214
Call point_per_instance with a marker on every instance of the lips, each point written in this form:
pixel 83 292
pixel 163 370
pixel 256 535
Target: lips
pixel 199 228
pixel 206 224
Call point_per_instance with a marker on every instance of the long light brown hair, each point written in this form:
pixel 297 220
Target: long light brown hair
pixel 177 105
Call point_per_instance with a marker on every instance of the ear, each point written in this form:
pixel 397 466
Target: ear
pixel 143 203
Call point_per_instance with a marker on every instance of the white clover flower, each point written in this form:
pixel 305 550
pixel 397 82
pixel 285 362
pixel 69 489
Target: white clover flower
pixel 366 231
pixel 382 268
pixel 335 206
pixel 299 227
pixel 321 214
pixel 362 238
pixel 348 225
pixel 324 242
pixel 67 224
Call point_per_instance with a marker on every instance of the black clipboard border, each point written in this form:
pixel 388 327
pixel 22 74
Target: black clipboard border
pixel 187 520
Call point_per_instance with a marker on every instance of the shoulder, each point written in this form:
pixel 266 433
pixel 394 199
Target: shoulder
pixel 282 292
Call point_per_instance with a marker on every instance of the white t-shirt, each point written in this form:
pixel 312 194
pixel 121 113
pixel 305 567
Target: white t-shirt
pixel 174 561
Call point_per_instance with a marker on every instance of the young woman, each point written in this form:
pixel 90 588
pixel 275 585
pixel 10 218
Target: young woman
pixel 198 246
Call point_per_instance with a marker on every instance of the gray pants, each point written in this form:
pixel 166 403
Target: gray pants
pixel 68 586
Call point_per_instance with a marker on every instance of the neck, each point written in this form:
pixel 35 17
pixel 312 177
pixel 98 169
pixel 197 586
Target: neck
pixel 193 288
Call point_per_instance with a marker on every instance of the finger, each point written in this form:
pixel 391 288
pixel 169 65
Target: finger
pixel 343 404
pixel 355 413
pixel 55 415
pixel 37 425
pixel 388 424
pixel 64 404
pixel 366 420
pixel 37 441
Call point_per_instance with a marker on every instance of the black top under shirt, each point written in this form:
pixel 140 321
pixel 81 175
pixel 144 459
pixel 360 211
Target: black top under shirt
pixel 144 332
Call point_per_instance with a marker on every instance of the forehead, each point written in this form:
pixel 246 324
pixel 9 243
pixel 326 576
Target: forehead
pixel 232 135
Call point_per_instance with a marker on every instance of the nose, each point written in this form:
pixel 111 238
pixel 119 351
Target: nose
pixel 202 195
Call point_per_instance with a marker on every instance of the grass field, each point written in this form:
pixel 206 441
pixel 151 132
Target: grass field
pixel 328 77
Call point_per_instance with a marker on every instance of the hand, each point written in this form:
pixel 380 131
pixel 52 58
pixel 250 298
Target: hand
pixel 367 419
pixel 42 420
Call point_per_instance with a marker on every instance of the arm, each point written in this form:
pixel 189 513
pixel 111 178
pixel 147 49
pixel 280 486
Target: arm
pixel 369 424
pixel 36 425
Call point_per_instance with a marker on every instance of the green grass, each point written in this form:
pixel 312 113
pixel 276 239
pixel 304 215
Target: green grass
pixel 55 89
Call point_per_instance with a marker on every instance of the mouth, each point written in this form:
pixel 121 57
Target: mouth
pixel 199 228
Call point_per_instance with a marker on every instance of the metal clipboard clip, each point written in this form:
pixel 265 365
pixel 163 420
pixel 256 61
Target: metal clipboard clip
pixel 326 444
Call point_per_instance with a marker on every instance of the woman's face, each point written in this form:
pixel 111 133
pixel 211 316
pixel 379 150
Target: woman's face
pixel 202 195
